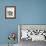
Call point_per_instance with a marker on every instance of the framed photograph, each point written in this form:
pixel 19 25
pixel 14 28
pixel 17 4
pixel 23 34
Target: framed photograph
pixel 33 32
pixel 10 12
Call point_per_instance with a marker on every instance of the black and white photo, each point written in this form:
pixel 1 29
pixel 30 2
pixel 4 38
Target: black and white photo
pixel 10 12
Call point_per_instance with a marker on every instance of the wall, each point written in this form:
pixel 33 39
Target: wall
pixel 6 25
pixel 27 12
pixel 31 11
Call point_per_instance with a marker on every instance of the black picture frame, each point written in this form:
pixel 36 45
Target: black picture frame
pixel 12 10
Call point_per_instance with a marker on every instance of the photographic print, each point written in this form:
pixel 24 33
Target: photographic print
pixel 10 12
pixel 32 32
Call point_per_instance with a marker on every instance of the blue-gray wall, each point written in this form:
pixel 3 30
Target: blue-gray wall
pixel 27 12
